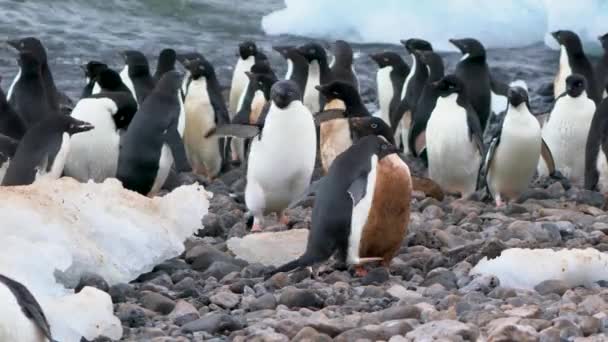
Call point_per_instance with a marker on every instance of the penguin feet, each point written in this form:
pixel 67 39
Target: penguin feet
pixel 499 202
pixel 360 271
pixel 256 228
pixel 284 220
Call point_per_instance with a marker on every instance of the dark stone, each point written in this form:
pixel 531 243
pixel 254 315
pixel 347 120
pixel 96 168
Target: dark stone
pixel 583 196
pixel 120 292
pixel 399 312
pixel 184 284
pixel 171 266
pixel 220 269
pixel 239 285
pixel 131 315
pixel 444 277
pixel 157 302
pixel 92 280
pixel 297 298
pixel 185 319
pixel 213 323
pixel 264 302
pixel 255 270
pixel 148 276
pixel 360 334
pixel 231 218
pixel 376 276
pixel 212 226
pixel 552 286
pixel 300 275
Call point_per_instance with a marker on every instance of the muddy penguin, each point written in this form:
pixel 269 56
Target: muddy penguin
pixel 136 75
pixel 318 73
pixel 392 72
pixel 361 208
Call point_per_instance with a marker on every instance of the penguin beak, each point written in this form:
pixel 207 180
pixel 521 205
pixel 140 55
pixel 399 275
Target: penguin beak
pixel 458 43
pixel 82 127
pixel 320 88
pixel 281 49
pixel 14 43
pixel 515 97
pixel 376 57
pixel 555 35
pixel 436 84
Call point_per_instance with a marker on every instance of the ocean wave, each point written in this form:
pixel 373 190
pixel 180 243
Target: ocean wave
pixel 498 24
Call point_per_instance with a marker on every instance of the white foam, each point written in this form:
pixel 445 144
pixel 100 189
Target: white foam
pixel 495 23
pixel 67 227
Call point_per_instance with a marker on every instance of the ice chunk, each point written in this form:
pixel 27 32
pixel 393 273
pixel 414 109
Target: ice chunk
pixel 270 248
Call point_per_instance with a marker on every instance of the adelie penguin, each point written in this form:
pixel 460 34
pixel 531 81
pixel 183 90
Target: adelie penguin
pixel 596 151
pixel 205 109
pixel 8 147
pixel 282 155
pixel 566 129
pixel 91 70
pixel 318 73
pixel 392 72
pixel 342 67
pixel 453 139
pixel 601 68
pixel 43 151
pixel 361 208
pixel 21 318
pixel 152 142
pixel 136 75
pixel 572 60
pixel 514 151
pixel 297 65
pixel 11 123
pixel 247 52
pixel 166 63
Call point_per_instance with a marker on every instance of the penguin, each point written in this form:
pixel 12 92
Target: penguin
pixel 247 52
pixel 514 151
pixel 297 65
pixel 392 72
pixel 94 154
pixel 11 123
pixel 166 62
pixel 8 147
pixel 318 73
pixel 22 317
pixel 342 68
pixel 152 142
pixel 361 208
pixel 109 80
pixel 473 71
pixel 91 70
pixel 43 150
pixel 596 151
pixel 401 117
pixel 30 96
pixel 285 141
pixel 136 75
pixel 566 129
pixel 205 109
pixel 57 101
pixel 601 68
pixel 453 139
pixel 572 60
pixel 426 102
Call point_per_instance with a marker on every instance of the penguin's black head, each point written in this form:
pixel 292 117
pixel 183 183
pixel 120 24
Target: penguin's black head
pixel 414 44
pixel 604 41
pixel 247 49
pixel 30 65
pixel 261 81
pixel 470 47
pixel 432 60
pixel 181 57
pixel 199 67
pixel 386 59
pixel 448 85
pixel 283 93
pixel 169 83
pixel 109 79
pixel 313 52
pixel 371 125
pixel 378 145
pixel 517 96
pixel 137 62
pixel 32 45
pixel 568 39
pixel 93 68
pixel 73 126
pixel 338 90
pixel 167 58
pixel 263 67
pixel 283 49
pixel 575 85
pixel 343 51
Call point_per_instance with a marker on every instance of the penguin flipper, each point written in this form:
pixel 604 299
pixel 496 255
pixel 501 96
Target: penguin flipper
pixel 263 114
pixel 357 189
pixel 235 130
pixel 176 144
pixel 328 115
pixel 547 156
pixel 396 115
pixel 312 189
pixel 219 108
pixel 482 180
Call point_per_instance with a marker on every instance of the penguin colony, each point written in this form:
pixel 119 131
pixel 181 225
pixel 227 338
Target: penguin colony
pixel 141 128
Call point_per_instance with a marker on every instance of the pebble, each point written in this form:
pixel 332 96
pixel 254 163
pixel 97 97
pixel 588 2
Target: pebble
pixel 157 302
pixel 299 298
pixel 225 299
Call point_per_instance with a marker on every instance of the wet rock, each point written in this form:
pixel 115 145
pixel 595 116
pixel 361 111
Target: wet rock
pixel 120 292
pixel 171 266
pixel 298 298
pixel 443 329
pixel 213 323
pixel 157 302
pixel 552 286
pixel 264 302
pixel 376 276
pixel 131 315
pixel 225 299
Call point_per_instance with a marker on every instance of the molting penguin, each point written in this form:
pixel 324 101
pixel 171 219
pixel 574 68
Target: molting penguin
pixel 247 52
pixel 11 124
pixel 596 151
pixel 401 117
pixel 91 70
pixel 392 72
pixel 152 142
pixel 473 71
pixel 318 73
pixel 572 60
pixel 166 63
pixel 342 68
pixel 514 151
pixel 205 109
pixel 58 102
pixel 566 129
pixel 22 319
pixel 601 68
pixel 8 147
pixel 297 65
pixel 43 150
pixel 136 75
pixel 453 139
pixel 361 208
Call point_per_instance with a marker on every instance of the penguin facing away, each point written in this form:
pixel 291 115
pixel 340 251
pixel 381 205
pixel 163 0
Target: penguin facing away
pixel 566 130
pixel 361 208
pixel 22 318
pixel 43 150
pixel 596 151
pixel 392 72
pixel 453 139
pixel 166 63
pixel 318 73
pixel 91 70
pixel 8 147
pixel 601 68
pixel 136 75
pixel 30 95
pixel 11 123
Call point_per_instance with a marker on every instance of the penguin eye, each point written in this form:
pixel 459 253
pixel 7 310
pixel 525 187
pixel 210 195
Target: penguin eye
pixel 374 125
pixel 384 146
pixel 260 84
pixel 22 44
pixel 386 60
pixel 336 93
pixel 251 48
pixel 311 51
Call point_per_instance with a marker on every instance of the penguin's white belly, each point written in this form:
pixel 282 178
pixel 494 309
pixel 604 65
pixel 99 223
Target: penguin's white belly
pixel 566 135
pixel 14 325
pixel 499 103
pixel 409 77
pixel 239 82
pixel 602 168
pixel 96 89
pixel 203 154
pixel 94 154
pixel 164 166
pixel 281 163
pixel 181 121
pixel 559 84
pixel 124 76
pixel 3 169
pixel 311 95
pixel 58 163
pixel 453 158
pixel 385 92
pixel 12 87
pixel 360 214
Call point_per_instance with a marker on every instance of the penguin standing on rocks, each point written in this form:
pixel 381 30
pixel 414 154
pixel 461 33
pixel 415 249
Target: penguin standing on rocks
pixel 567 127
pixel 453 139
pixel 8 147
pixel 596 151
pixel 473 71
pixel 247 52
pixel 342 68
pixel 515 151
pixel 205 109
pixel 11 123
pixel 136 75
pixel 166 63
pixel 22 318
pixel 392 72
pixel 601 68
pixel 152 142
pixel 318 73
pixel 572 60
pixel 91 70
pixel 43 151
pixel 297 65
pixel 361 208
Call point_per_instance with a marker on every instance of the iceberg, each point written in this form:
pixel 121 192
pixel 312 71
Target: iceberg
pixel 497 24
pixel 54 231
